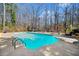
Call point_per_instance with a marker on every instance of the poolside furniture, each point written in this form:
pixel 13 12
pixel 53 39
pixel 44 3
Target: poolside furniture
pixel 73 32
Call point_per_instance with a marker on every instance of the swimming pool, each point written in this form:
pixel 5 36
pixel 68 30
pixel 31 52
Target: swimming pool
pixel 34 41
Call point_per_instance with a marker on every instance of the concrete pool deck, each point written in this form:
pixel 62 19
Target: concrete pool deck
pixel 60 48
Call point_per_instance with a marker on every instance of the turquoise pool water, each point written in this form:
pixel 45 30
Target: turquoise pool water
pixel 36 40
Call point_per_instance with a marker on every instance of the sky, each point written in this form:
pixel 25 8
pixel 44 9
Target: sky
pixel 22 7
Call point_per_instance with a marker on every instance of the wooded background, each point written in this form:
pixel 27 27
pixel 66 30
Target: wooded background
pixel 57 17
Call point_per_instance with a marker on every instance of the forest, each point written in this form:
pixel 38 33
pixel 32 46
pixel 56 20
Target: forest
pixel 39 17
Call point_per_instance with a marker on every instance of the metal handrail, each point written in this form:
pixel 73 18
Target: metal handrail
pixel 14 42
